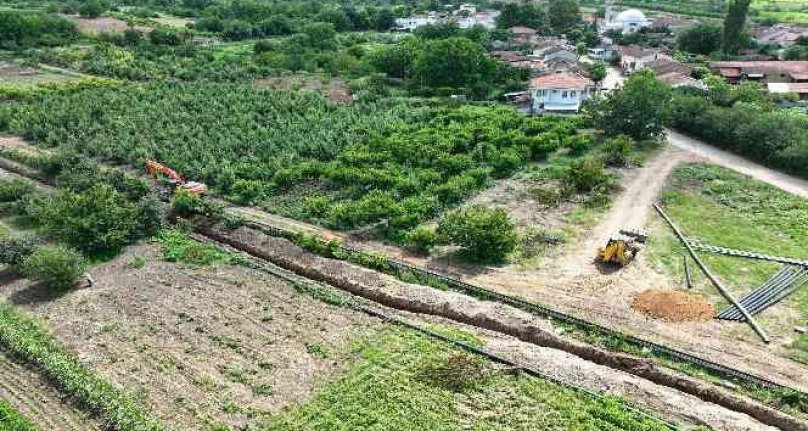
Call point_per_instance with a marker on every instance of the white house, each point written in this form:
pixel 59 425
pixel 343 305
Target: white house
pixel 559 93
pixel 410 23
pixel 627 21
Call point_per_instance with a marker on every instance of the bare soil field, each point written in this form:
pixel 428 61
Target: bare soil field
pixel 198 345
pixel 96 26
pixel 38 401
pixel 335 89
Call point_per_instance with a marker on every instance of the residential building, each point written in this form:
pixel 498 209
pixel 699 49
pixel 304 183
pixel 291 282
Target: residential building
pixel 798 88
pixel 664 65
pixel 465 16
pixel 762 71
pixel 412 22
pixel 634 57
pixel 522 34
pixel 559 93
pixel 676 80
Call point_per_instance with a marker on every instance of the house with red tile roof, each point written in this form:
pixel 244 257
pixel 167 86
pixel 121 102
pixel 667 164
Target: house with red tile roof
pixel 559 93
pixel 761 71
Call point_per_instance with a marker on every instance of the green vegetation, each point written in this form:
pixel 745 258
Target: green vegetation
pixel 402 380
pixel 100 220
pixel 20 30
pixel 57 267
pixel 12 420
pixel 177 246
pixel 27 340
pixel 703 38
pixel 724 208
pixel 735 26
pixel 743 119
pixel 636 111
pixel 484 234
pixel 402 162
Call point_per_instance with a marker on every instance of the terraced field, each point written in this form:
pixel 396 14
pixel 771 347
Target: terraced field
pixel 36 400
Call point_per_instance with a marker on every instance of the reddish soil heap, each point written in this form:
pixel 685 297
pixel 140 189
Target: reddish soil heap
pixel 673 305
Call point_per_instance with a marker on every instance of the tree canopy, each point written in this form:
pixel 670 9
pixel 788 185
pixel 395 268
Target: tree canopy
pixel 637 110
pixel 564 14
pixel 735 36
pixel 700 39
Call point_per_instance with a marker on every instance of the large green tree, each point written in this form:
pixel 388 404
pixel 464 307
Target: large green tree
pixel 735 26
pixel 637 110
pixel 527 15
pixel 700 39
pixel 455 63
pixel 564 14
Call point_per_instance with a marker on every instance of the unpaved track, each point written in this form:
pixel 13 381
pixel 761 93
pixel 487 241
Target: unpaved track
pixel 35 399
pixel 791 184
pixel 628 212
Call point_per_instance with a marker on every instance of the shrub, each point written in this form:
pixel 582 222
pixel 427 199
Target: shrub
pixel 15 189
pixel 420 240
pixel 585 175
pixel 186 204
pixel 97 221
pixel 617 151
pixel 484 234
pixel 55 266
pixel 14 250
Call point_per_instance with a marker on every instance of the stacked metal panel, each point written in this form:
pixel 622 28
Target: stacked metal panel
pixel 780 285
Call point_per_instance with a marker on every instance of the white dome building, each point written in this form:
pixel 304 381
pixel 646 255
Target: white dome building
pixel 627 21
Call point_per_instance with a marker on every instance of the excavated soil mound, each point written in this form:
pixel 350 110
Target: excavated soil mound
pixel 674 305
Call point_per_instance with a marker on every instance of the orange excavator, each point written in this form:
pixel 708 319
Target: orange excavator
pixel 172 178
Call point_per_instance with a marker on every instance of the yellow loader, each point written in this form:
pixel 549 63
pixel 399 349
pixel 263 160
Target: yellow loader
pixel 621 248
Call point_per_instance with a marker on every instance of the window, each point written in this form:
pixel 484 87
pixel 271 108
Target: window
pixel 564 95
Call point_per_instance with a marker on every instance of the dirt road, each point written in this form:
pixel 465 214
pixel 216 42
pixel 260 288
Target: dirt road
pixel 629 211
pixel 723 158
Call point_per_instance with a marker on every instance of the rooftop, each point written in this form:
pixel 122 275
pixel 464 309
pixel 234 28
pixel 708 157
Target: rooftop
pixel 788 87
pixel 522 30
pixel 561 81
pixel 783 66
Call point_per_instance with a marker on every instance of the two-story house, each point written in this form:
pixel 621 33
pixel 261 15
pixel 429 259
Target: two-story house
pixel 559 93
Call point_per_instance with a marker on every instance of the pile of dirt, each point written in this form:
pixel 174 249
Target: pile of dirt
pixel 674 305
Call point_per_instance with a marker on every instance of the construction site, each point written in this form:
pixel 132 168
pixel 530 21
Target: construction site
pixel 631 307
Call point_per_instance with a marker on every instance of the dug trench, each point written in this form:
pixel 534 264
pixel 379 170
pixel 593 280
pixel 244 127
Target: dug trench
pixel 491 316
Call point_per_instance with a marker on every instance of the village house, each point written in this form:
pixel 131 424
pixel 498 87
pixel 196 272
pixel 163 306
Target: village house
pixel 780 88
pixel 515 59
pixel 634 58
pixel 762 71
pixel 521 34
pixel 466 16
pixel 676 80
pixel 559 93
pixel 664 65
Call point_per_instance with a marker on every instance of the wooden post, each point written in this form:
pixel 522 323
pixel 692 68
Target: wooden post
pixel 749 319
pixel 688 278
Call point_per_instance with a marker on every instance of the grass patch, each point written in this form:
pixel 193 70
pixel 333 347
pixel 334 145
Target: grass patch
pixel 405 381
pixel 28 341
pixel 177 246
pixel 12 420
pixel 721 207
